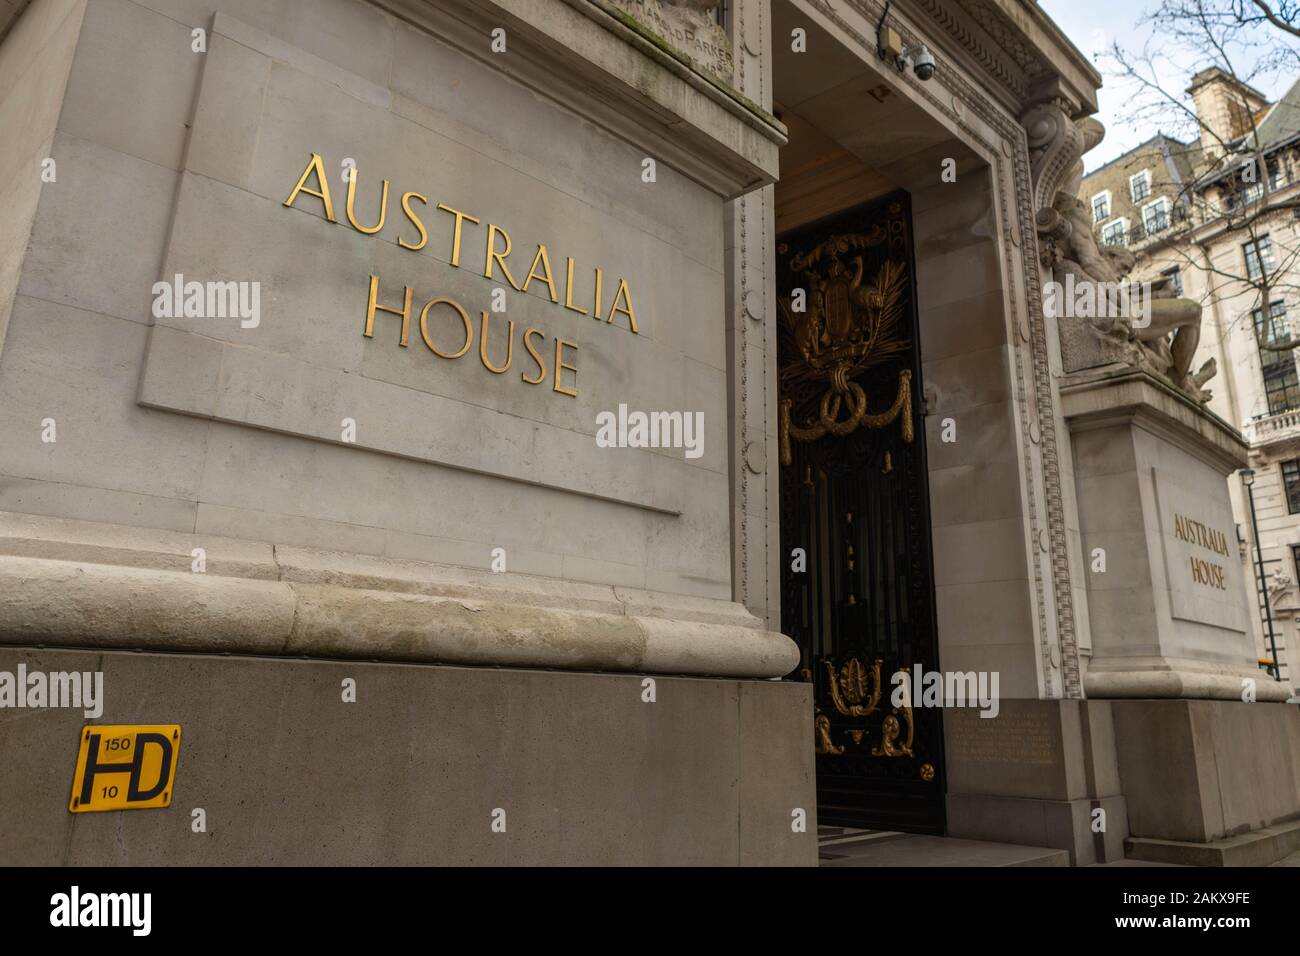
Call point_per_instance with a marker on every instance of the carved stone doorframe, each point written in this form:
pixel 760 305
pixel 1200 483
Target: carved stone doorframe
pixel 1050 515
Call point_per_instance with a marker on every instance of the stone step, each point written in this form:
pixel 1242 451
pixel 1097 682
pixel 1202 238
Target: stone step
pixel 1257 848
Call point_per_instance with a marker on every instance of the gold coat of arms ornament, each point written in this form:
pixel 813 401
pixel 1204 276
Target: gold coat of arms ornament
pixel 842 324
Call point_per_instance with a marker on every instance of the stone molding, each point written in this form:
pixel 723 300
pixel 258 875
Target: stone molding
pixel 752 368
pixel 1118 394
pixel 1055 145
pixel 1168 678
pixel 83 584
pixel 1006 44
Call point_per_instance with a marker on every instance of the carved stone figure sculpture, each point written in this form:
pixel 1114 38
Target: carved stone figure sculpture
pixel 1163 339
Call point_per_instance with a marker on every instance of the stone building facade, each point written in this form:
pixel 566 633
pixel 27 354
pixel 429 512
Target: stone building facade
pixel 381 533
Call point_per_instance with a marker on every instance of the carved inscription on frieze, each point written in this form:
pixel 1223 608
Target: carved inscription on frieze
pixel 689 27
pixel 1018 738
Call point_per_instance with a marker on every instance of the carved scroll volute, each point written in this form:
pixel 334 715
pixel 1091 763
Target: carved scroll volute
pixel 1055 145
pixel 824 743
pixel 892 728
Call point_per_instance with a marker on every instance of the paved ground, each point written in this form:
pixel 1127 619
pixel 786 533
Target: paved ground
pixel 844 846
pixel 848 847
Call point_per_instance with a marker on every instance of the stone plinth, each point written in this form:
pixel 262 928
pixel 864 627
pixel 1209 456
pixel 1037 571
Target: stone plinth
pixel 1167 597
pixel 299 474
pixel 1040 773
pixel 586 772
pixel 1204 747
pixel 1201 770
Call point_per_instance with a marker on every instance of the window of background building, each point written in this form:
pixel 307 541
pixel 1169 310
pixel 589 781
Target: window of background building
pixel 1175 279
pixel 1155 216
pixel 1281 384
pixel 1295 559
pixel 1291 483
pixel 1276 175
pixel 1259 257
pixel 1115 233
pixel 1100 206
pixel 1139 185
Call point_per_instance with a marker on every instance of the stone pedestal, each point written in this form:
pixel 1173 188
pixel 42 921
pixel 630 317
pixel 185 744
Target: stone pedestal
pixel 1167 598
pixel 1205 748
pixel 588 769
pixel 1200 770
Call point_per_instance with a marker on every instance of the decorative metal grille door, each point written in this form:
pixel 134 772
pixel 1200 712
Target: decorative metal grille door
pixel 857 585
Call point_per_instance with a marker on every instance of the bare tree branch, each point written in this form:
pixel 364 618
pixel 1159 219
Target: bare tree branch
pixel 1231 187
pixel 1273 18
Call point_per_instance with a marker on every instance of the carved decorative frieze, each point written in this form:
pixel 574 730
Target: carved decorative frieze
pixel 960 31
pixel 993 22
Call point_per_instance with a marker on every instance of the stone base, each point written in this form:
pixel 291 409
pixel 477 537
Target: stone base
pixel 1258 848
pixel 1034 775
pixel 1200 770
pixel 1066 824
pixel 1084 347
pixel 1188 771
pixel 289 774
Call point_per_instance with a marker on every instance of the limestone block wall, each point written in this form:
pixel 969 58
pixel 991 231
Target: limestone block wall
pixel 983 589
pixel 172 161
pixel 34 65
pixel 410 774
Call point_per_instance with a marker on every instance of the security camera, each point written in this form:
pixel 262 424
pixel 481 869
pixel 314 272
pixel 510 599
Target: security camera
pixel 924 63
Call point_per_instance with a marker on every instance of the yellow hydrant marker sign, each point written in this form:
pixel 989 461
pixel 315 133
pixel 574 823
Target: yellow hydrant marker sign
pixel 128 767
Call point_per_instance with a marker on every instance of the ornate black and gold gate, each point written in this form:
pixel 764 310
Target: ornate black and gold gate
pixel 857 588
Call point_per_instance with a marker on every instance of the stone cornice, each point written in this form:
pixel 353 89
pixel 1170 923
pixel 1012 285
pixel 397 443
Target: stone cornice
pixel 1018 47
pixel 581 54
pixel 1103 397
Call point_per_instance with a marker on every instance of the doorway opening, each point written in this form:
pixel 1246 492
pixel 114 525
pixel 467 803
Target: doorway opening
pixel 857 590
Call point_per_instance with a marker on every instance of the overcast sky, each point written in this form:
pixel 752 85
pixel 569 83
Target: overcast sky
pixel 1093 25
